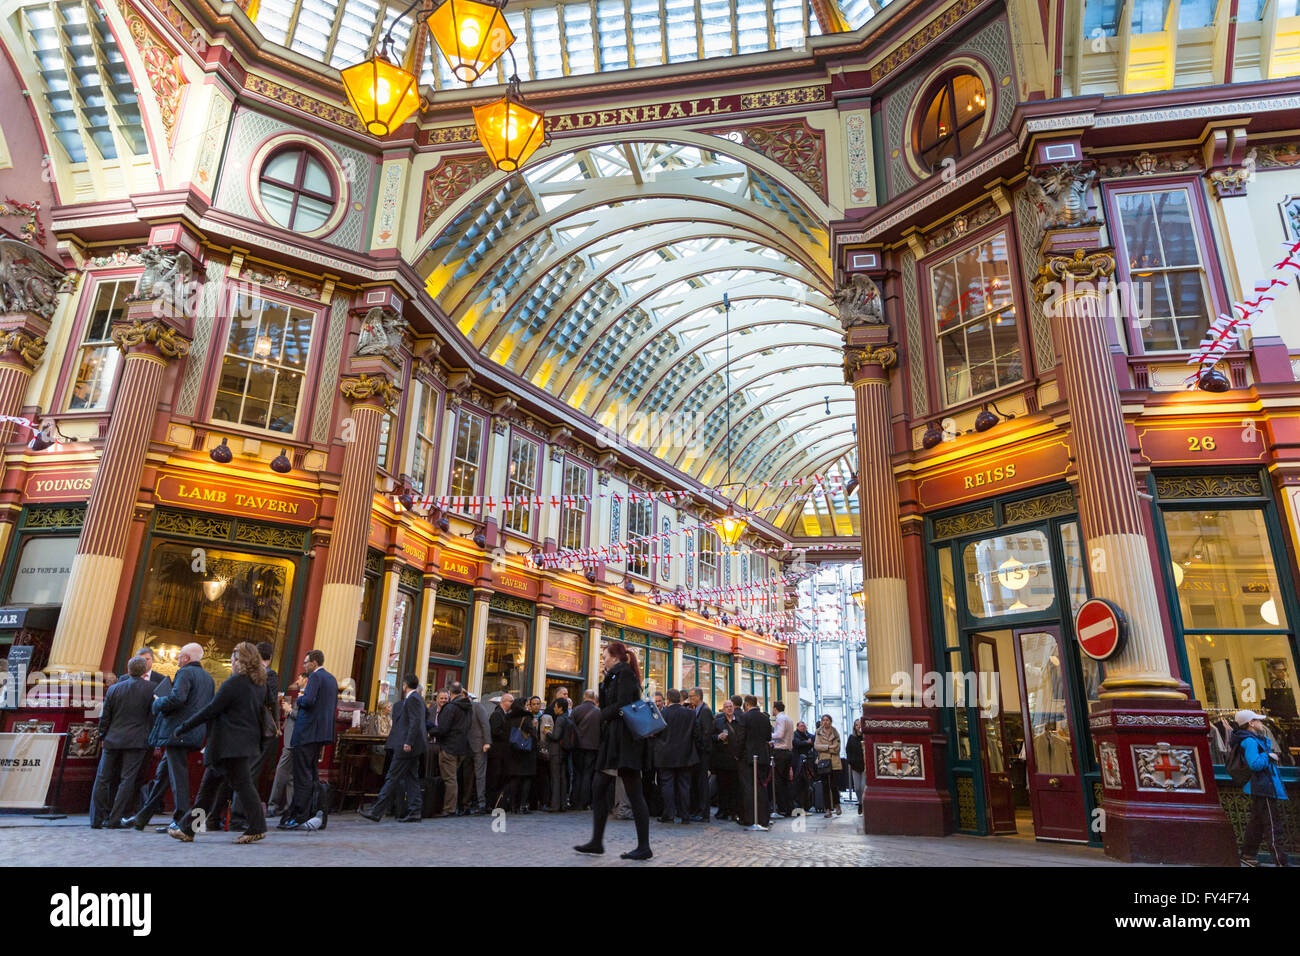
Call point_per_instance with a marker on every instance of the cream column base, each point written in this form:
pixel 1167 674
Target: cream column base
pixel 675 678
pixel 425 639
pixel 88 602
pixel 593 657
pixel 889 636
pixel 477 650
pixel 539 656
pixel 336 630
pixel 1121 573
pixel 384 644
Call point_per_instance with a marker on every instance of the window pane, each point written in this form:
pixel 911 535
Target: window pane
pixel 98 360
pixel 507 656
pixel 1223 570
pixel 563 652
pixel 1008 574
pixel 979 343
pixel 1048 732
pixel 260 383
pixel 448 637
pixel 1256 671
pixel 43 569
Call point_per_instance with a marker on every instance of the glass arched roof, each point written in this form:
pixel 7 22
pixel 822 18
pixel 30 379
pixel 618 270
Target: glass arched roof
pixel 599 276
pixel 557 39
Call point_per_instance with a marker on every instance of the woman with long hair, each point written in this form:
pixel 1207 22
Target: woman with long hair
pixel 827 747
pixel 856 757
pixel 621 756
pixel 234 719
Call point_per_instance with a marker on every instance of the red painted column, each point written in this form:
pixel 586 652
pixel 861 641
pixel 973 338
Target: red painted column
pixel 1146 720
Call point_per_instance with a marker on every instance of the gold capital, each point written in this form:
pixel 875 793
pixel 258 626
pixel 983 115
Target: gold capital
pixel 30 347
pixel 1060 274
pixel 133 334
pixel 855 359
pixel 358 388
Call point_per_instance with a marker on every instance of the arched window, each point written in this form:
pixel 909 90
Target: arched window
pixel 951 121
pixel 297 191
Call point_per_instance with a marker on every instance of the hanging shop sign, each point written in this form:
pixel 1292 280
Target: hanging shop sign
pixel 634 615
pixel 991 475
pixel 571 600
pixel 231 498
pixel 458 568
pixel 1221 443
pixel 1100 627
pixel 60 484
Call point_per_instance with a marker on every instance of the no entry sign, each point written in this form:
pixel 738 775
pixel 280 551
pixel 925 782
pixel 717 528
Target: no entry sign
pixel 1100 627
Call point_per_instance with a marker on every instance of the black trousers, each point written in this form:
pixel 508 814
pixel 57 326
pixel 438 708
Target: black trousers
pixel 748 796
pixel 521 786
pixel 727 796
pixel 123 764
pixel 830 791
pixel 781 760
pixel 602 797
pixel 255 771
pixel 305 758
pixel 174 771
pixel 675 790
pixel 700 787
pixel 541 794
pixel 584 766
pixel 232 772
pixel 559 780
pixel 496 781
pixel 1265 824
pixel 403 778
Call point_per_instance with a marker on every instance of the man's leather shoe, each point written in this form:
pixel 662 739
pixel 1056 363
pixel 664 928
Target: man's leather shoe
pixel 288 825
pixel 412 819
pixel 112 826
pixel 368 816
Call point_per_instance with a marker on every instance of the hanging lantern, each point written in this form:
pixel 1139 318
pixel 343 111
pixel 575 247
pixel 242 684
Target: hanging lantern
pixel 470 35
pixel 730 527
pixel 860 597
pixel 382 94
pixel 509 130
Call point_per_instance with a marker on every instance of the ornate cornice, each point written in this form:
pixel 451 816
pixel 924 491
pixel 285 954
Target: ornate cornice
pixel 30 347
pixel 360 388
pixel 131 335
pixel 1069 271
pixel 856 359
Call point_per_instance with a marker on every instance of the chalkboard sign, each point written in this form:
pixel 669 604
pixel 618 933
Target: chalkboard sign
pixel 18 664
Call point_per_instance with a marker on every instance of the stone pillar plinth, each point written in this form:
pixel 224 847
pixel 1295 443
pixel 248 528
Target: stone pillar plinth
pixel 369 398
pixel 1145 710
pixel 151 337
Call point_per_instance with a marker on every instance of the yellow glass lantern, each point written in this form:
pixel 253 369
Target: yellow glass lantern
pixel 509 130
pixel 730 527
pixel 471 36
pixel 382 94
pixel 860 597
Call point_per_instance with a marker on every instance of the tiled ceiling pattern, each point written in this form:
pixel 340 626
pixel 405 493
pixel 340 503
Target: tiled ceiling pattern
pixel 599 275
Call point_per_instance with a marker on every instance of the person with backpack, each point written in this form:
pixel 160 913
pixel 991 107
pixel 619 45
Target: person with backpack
pixel 563 740
pixel 521 757
pixel 1252 761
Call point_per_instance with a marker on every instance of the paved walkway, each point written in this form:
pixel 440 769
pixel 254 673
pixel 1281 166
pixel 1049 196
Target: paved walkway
pixel 535 839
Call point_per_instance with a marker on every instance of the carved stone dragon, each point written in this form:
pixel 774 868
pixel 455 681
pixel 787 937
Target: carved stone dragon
pixel 28 281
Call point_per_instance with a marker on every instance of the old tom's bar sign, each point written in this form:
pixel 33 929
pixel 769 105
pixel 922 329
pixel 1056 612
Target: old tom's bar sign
pixel 226 497
pixel 991 475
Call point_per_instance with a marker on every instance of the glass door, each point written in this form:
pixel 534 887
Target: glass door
pixel 993 735
pixel 1055 790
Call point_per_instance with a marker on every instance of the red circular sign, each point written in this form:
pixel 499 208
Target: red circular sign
pixel 1100 627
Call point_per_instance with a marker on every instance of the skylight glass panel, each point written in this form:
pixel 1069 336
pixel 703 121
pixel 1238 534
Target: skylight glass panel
pixel 647 38
pixel 312 32
pixel 787 16
pixel 715 15
pixel 548 60
pixel 360 17
pixel 578 38
pixel 683 44
pixel 858 12
pixel 611 17
pixel 273 20
pixel 523 61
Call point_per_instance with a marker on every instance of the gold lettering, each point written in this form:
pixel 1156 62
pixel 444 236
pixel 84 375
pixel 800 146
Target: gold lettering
pixel 675 111
pixel 563 123
pixel 1011 471
pixel 607 117
pixel 627 116
pixel 649 113
pixel 586 120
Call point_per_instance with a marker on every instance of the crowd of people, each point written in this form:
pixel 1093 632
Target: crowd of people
pixel 456 756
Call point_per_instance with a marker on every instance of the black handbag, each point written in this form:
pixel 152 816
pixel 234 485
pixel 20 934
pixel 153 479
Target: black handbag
pixel 643 719
pixel 823 766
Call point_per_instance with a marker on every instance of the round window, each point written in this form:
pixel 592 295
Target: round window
pixel 951 121
pixel 297 191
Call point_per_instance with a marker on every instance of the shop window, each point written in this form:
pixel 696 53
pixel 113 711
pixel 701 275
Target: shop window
pixel 262 373
pixel 240 597
pixel 563 652
pixel 573 516
pixel 506 665
pixel 296 189
pixel 975 319
pixel 467 456
pixel 405 613
pixel 448 637
pixel 521 483
pixel 1169 298
pixel 640 518
pixel 1008 574
pixel 43 569
pixel 98 358
pixel 761 680
pixel 424 461
pixel 949 125
pixel 709 548
pixel 653 654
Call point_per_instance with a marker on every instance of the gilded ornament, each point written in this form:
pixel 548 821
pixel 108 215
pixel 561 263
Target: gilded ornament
pixel 358 388
pixel 30 347
pixel 856 359
pixel 131 335
pixel 1069 271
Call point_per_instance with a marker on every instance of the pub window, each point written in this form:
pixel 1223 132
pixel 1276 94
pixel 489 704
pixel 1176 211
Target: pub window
pixel 98 357
pixel 506 663
pixel 1008 574
pixel 709 548
pixel 43 568
pixel 640 519
pixel 405 614
pixel 975 319
pixel 573 516
pixel 1169 297
pixel 521 483
pixel 950 124
pixel 761 680
pixel 708 670
pixel 240 597
pixel 564 652
pixel 385 459
pixel 448 637
pixel 262 373
pixel 467 456
pixel 1236 630
pixel 653 653
pixel 424 463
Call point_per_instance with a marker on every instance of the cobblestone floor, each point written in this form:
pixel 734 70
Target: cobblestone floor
pixel 535 839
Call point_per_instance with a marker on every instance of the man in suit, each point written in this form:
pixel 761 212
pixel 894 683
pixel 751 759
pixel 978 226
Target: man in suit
pixel 728 743
pixel 677 753
pixel 704 737
pixel 452 732
pixel 314 728
pixel 124 742
pixel 480 742
pixel 282 782
pixel 586 718
pixel 408 742
pixel 149 674
pixel 782 759
pixel 499 738
pixel 191 690
pixel 755 760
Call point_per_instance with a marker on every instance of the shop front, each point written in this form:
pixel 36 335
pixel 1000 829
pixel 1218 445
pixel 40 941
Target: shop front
pixel 707 663
pixel 35 577
pixel 647 633
pixel 568 641
pixel 508 653
pixel 449 636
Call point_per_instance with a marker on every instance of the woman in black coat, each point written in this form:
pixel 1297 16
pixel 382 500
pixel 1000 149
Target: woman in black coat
pixel 234 719
pixel 621 755
pixel 521 765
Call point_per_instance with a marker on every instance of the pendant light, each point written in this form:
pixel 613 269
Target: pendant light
pixel 730 526
pixel 470 35
pixel 509 131
pixel 382 94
